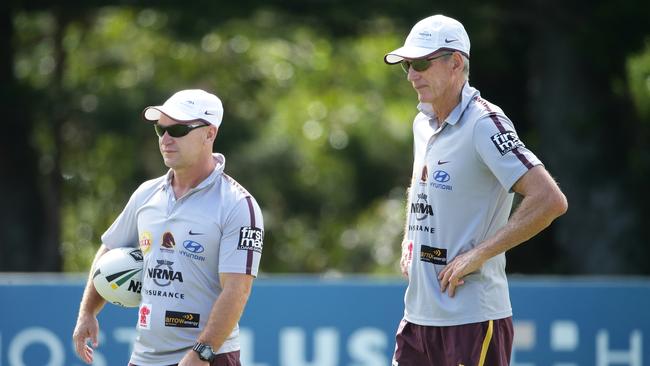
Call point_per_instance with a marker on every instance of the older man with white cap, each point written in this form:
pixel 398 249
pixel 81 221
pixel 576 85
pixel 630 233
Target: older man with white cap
pixel 201 236
pixel 468 161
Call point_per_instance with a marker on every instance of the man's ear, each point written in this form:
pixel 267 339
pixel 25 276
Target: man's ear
pixel 212 133
pixel 458 61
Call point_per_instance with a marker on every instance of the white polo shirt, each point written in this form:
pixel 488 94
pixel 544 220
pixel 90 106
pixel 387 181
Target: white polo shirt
pixel 214 228
pixel 463 172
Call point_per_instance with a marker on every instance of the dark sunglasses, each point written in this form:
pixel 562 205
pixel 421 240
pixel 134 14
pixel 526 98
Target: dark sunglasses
pixel 177 130
pixel 422 64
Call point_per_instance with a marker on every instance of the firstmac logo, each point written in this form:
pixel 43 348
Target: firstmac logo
pixel 506 141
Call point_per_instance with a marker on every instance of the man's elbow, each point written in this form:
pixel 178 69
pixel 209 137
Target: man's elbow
pixel 558 204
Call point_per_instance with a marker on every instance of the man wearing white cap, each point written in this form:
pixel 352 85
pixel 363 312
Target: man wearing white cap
pixel 468 162
pixel 201 236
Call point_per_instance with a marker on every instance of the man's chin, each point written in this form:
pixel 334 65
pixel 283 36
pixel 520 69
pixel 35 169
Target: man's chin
pixel 170 163
pixel 424 98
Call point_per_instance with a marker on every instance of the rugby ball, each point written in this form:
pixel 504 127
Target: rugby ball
pixel 117 276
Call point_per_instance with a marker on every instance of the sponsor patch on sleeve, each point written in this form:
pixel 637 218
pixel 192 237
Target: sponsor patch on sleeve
pixel 181 320
pixel 251 238
pixel 507 141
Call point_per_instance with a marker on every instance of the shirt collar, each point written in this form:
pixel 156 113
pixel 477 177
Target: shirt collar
pixel 466 95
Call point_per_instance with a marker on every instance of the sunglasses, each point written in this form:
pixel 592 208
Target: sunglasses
pixel 177 130
pixel 422 64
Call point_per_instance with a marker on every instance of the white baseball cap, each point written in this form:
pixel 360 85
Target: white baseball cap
pixel 430 35
pixel 188 105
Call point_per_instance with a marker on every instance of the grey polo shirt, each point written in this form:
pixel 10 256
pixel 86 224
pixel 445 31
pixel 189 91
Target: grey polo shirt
pixel 214 228
pixel 463 172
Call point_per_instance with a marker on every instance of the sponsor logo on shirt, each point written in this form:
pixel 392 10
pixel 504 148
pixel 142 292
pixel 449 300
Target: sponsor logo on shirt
pixel 192 250
pixel 168 242
pixel 159 293
pixel 424 176
pixel 144 316
pixel 193 246
pixel 427 229
pixel 181 319
pixel 441 177
pixel 145 242
pixel 251 238
pixel 163 274
pixel 507 141
pixel 421 208
pixel 433 255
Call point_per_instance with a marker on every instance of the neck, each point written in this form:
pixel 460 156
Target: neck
pixel 186 178
pixel 448 101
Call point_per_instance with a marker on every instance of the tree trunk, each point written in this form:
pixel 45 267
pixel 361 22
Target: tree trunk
pixel 22 223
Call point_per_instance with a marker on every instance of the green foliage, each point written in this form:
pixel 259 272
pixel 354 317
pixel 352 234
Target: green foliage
pixel 638 73
pixel 318 130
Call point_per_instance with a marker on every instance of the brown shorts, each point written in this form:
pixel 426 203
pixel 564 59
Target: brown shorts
pixel 477 344
pixel 222 359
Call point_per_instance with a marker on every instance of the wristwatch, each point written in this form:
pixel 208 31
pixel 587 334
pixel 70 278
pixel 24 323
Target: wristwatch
pixel 205 351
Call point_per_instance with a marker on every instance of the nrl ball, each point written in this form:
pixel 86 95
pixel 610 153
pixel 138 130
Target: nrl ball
pixel 117 276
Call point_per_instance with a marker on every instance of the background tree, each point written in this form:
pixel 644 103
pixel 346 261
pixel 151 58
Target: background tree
pixel 315 125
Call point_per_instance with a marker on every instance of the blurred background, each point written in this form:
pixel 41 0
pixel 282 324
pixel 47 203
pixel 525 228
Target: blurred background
pixel 316 126
pixel 318 129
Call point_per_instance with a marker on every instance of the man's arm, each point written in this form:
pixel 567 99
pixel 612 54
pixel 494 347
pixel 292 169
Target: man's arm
pixel 87 325
pixel 407 246
pixel 224 315
pixel 542 203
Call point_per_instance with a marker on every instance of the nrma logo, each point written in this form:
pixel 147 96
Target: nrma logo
pixel 421 208
pixel 164 274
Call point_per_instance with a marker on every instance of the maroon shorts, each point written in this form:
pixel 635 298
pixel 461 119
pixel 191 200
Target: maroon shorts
pixel 477 344
pixel 222 359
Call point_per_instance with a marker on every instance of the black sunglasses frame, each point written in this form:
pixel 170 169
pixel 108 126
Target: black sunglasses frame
pixel 176 130
pixel 421 64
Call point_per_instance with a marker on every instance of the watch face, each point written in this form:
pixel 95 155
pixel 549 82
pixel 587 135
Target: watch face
pixel 206 354
pixel 204 351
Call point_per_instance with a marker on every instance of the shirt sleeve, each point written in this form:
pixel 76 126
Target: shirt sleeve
pixel 498 145
pixel 124 230
pixel 242 240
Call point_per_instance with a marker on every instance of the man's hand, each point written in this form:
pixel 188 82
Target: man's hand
pixel 191 358
pixel 407 257
pixel 86 329
pixel 452 275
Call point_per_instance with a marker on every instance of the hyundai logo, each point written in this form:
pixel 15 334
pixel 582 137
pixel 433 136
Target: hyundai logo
pixel 193 246
pixel 441 176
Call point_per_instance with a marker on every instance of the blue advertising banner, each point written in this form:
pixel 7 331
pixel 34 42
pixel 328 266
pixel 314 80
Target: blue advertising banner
pixel 307 321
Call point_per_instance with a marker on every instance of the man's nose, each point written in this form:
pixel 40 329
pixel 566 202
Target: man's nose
pixel 412 74
pixel 165 139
